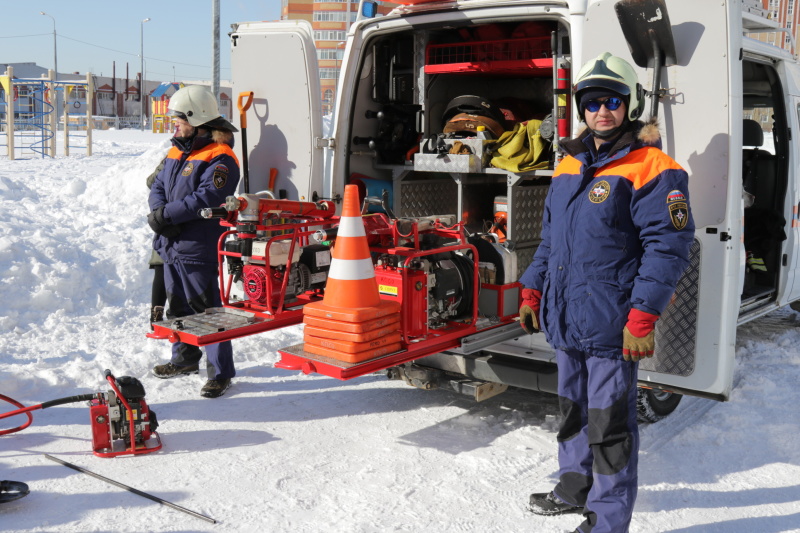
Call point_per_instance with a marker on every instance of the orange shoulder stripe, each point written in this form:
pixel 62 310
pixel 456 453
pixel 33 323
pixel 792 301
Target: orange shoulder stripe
pixel 213 150
pixel 174 153
pixel 568 165
pixel 640 166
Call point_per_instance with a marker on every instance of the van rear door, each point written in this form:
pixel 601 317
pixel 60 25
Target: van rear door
pixel 696 335
pixel 277 61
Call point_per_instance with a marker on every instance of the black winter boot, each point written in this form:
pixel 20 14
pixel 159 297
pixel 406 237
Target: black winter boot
pixel 548 504
pixel 168 370
pixel 214 388
pixel 156 315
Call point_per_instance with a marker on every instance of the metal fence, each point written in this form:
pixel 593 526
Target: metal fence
pixel 128 122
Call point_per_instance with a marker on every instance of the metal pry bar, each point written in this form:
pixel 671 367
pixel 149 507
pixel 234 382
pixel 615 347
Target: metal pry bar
pixel 131 489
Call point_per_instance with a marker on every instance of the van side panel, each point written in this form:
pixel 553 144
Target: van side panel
pixel 277 62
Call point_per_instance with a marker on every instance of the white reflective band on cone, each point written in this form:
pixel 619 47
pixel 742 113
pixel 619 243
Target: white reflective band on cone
pixel 351 227
pixel 351 269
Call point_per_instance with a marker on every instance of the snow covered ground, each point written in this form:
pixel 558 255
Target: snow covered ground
pixel 286 452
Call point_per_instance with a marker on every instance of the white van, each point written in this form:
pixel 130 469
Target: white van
pixel 728 105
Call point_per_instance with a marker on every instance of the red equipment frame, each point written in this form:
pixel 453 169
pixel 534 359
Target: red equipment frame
pixel 431 342
pixel 528 56
pixel 133 449
pixel 262 317
pixel 398 238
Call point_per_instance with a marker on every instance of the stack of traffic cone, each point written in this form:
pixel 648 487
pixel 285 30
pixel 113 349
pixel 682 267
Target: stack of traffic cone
pixel 351 323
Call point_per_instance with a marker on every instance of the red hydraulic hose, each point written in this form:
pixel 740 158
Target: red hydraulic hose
pixel 26 410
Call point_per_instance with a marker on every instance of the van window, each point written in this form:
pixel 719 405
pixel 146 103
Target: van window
pixel 764 117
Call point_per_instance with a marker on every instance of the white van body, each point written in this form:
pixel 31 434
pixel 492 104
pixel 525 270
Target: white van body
pixel 720 78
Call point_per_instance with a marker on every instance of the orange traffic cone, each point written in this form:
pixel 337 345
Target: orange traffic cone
pixel 352 323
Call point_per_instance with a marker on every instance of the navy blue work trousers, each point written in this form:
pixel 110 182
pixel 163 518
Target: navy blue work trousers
pixel 191 289
pixel 598 439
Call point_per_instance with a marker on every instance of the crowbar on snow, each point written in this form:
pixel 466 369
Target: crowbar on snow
pixel 131 489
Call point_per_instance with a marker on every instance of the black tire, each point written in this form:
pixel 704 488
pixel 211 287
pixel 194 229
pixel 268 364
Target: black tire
pixel 653 405
pixel 795 305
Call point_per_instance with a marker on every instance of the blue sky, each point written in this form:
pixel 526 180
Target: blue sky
pixel 91 35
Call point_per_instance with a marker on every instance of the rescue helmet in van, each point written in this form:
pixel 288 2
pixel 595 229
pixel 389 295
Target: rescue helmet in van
pixel 196 105
pixel 474 105
pixel 611 73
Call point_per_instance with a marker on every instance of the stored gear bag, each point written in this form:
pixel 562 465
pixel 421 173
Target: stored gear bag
pixel 522 149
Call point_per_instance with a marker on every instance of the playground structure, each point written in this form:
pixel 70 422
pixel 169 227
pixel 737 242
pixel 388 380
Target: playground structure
pixel 159 101
pixel 36 113
pixel 29 117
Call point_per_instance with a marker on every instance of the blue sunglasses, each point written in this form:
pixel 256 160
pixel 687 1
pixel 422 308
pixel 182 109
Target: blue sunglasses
pixel 612 104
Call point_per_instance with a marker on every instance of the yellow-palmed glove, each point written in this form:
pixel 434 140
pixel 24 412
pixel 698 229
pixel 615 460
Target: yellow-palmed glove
pixel 639 335
pixel 529 310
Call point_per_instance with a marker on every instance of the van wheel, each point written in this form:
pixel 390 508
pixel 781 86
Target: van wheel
pixel 652 405
pixel 795 305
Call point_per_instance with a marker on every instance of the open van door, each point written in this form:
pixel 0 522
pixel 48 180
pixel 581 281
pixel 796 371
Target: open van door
pixel 277 61
pixel 695 337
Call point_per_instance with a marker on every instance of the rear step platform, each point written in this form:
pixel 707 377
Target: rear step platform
pixel 220 324
pixel 296 358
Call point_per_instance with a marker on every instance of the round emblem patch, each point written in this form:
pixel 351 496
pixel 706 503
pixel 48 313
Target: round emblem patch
pixel 599 192
pixel 188 169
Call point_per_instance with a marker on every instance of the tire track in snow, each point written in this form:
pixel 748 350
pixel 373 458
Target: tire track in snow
pixel 655 436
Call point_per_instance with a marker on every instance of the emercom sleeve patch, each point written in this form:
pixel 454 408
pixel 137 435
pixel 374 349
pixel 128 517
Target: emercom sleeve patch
pixel 220 176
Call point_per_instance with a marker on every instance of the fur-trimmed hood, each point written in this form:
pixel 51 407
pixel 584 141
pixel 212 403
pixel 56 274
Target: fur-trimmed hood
pixel 650 134
pixel 637 134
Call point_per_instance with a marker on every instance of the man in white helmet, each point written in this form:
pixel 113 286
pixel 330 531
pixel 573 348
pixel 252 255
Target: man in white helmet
pixel 199 171
pixel 616 235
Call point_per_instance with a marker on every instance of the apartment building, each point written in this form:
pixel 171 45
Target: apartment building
pixel 785 14
pixel 330 20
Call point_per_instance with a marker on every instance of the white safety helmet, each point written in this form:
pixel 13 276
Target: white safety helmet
pixel 613 73
pixel 197 106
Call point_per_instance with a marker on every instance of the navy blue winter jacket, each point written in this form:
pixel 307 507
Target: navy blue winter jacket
pixel 616 234
pixel 200 175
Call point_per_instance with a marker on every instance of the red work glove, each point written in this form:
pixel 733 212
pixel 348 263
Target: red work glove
pixel 638 336
pixel 529 310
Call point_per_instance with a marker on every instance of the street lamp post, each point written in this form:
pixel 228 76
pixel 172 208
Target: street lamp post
pixel 55 46
pixel 141 85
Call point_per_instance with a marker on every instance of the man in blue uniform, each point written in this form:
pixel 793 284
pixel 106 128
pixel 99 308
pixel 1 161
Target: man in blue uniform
pixel 616 235
pixel 200 171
